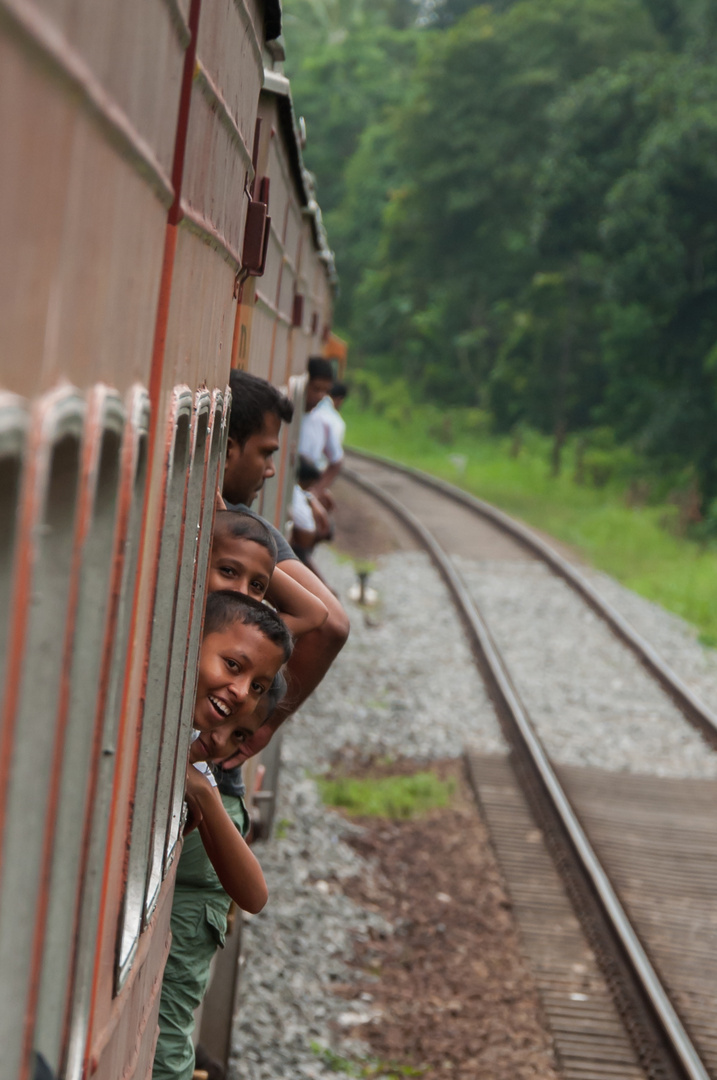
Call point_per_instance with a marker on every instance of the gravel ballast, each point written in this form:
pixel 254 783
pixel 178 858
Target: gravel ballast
pixel 592 702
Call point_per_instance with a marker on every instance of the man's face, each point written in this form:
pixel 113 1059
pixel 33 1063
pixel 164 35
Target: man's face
pixel 316 389
pixel 248 466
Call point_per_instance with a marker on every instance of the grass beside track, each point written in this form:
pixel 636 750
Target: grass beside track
pixel 632 543
pixel 396 797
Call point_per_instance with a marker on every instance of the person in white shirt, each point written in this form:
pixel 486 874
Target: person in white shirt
pixel 322 429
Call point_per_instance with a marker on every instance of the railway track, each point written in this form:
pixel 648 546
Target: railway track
pixel 634 992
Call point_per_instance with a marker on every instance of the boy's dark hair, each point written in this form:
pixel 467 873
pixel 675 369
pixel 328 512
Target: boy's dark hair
pixel 307 473
pixel 248 527
pixel 225 608
pixel 275 694
pixel 319 368
pixel 252 399
pixel 339 390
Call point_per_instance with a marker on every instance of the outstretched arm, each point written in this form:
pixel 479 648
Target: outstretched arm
pixel 312 657
pixel 236 865
pixel 300 609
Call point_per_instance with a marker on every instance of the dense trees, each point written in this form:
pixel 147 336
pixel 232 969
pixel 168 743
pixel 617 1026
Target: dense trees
pixel 523 198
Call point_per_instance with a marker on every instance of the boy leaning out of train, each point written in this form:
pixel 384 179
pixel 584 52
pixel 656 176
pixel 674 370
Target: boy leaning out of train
pixel 242 560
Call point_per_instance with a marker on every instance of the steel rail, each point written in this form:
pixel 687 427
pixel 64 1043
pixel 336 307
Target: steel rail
pixel 694 709
pixel 646 976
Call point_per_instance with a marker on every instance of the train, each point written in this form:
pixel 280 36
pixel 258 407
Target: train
pixel 158 227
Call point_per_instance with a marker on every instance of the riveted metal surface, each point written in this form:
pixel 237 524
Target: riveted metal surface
pixel 588 1033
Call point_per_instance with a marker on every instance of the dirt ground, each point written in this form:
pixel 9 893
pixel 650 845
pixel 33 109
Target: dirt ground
pixel 454 995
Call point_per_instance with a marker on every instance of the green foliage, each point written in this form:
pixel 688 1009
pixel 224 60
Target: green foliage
pixel 522 198
pixel 397 797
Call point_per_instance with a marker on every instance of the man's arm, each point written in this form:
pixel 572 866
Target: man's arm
pixel 299 608
pixel 312 657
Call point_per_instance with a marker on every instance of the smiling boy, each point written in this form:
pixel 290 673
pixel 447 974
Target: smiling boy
pixel 244 646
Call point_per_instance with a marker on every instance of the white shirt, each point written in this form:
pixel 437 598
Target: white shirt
pixel 301 513
pixel 334 418
pixel 319 440
pixel 202 766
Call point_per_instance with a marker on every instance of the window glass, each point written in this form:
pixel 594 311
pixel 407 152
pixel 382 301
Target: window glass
pixel 13 421
pixel 178 660
pixel 134 477
pixel 156 687
pixel 217 451
pixel 80 752
pixel 43 592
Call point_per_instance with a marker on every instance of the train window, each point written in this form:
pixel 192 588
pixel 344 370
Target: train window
pixel 179 433
pixel 80 754
pixel 33 692
pixel 13 422
pixel 178 657
pixel 217 448
pixel 132 488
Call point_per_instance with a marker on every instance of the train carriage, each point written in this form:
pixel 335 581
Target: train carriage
pixel 133 218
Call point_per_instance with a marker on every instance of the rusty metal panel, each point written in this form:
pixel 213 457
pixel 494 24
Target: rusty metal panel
pixel 225 93
pixel 293 233
pixel 128 1041
pixel 286 296
pixel 268 285
pixel 124 60
pixel 262 332
pixel 278 171
pixel 82 239
pixel 229 50
pixel 201 316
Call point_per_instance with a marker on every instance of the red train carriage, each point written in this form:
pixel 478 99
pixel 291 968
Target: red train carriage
pixel 128 184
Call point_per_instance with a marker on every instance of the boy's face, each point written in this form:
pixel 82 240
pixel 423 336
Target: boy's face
pixel 248 466
pixel 236 667
pixel 240 565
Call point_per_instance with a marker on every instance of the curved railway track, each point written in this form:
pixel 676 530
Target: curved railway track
pixel 634 851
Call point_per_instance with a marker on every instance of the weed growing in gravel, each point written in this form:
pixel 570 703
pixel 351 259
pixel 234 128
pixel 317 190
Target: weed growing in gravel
pixel 397 797
pixel 282 827
pixel 369 1070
